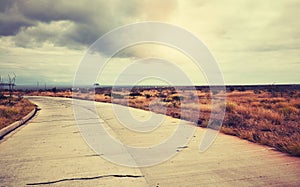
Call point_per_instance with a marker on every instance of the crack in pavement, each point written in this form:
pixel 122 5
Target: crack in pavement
pixel 93 155
pixel 85 178
pixel 54 120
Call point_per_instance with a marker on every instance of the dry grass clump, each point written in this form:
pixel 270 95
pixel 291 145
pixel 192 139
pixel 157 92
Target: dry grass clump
pixel 12 110
pixel 262 118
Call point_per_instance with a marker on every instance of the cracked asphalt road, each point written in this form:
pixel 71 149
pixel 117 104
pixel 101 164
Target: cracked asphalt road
pixel 49 150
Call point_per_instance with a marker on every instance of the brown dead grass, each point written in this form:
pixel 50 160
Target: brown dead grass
pixel 262 118
pixel 14 110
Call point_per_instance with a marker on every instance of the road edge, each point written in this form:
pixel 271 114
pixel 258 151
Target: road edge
pixel 6 130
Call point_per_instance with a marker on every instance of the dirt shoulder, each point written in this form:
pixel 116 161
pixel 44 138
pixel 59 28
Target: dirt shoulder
pixel 13 109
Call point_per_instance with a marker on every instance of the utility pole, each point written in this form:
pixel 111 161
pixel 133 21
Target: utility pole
pixel 11 84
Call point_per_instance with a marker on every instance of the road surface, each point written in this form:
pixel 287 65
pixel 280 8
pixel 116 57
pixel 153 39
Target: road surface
pixel 50 150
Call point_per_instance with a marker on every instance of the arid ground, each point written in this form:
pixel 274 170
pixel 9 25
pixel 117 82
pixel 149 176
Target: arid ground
pixel 268 115
pixel 13 109
pixel 50 150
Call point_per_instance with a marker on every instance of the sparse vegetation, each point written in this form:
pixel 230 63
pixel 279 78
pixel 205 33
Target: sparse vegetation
pixel 13 109
pixel 269 115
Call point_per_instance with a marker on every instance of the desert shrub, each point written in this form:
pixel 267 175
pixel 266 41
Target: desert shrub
pixel 233 120
pixel 11 112
pixel 293 149
pixel 168 99
pixel 277 100
pixel 175 115
pixel 241 89
pixel 162 95
pixel 2 96
pixel 244 111
pixel 255 104
pixel 230 107
pixel 266 105
pixel 248 135
pixel 177 98
pixel 54 89
pixel 199 122
pixel 288 110
pixel 281 105
pixel 270 115
pixel 296 104
pixel 256 91
pixel 133 94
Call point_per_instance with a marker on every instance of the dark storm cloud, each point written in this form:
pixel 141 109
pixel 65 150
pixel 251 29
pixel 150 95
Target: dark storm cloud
pixel 6 4
pixel 10 19
pixel 10 25
pixel 47 11
pixel 32 22
pixel 23 18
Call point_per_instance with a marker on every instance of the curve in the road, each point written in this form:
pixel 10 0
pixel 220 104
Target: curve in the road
pixel 50 148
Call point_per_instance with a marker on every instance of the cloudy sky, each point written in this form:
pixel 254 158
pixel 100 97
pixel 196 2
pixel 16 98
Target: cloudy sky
pixel 254 41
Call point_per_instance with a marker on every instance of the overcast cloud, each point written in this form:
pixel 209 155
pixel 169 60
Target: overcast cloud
pixel 254 41
pixel 73 23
